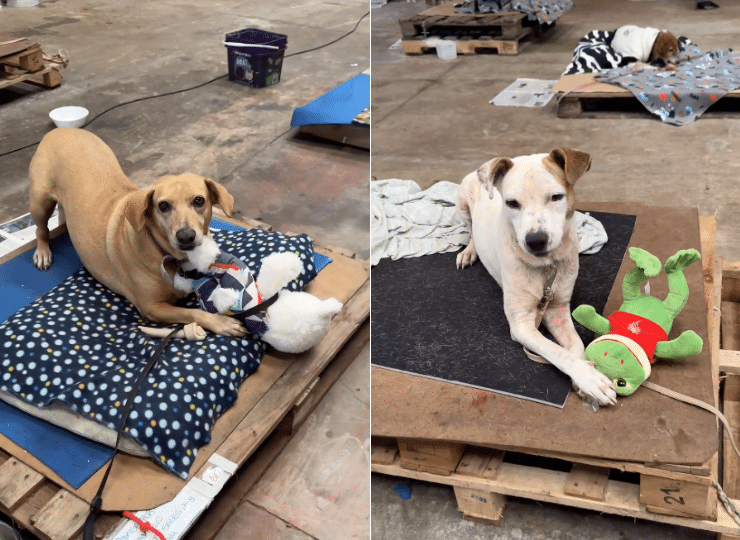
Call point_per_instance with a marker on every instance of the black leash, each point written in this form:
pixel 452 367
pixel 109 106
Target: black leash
pixel 97 502
pixel 242 315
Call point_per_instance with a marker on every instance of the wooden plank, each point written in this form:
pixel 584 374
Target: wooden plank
pixel 349 134
pixel 678 498
pixel 341 251
pixel 730 325
pixel 11 78
pixel 62 517
pixel 10 46
pixel 731 468
pixel 384 454
pixel 440 457
pixel 493 464
pixel 474 461
pixel 594 105
pixel 32 59
pixel 480 505
pixel 587 482
pixel 470 46
pixel 18 481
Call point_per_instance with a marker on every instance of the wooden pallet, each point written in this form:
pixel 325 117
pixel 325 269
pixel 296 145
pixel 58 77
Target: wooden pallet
pixel 609 101
pixel 22 61
pixel 674 494
pixel 483 478
pixel 51 512
pixel 466 45
pixel 474 33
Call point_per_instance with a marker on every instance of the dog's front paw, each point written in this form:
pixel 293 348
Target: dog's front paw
pixel 466 257
pixel 591 384
pixel 42 258
pixel 222 325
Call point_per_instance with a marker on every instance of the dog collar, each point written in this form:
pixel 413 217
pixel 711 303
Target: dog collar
pixel 547 293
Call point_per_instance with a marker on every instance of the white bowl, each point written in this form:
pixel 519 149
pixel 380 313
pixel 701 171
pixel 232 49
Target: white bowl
pixel 73 117
pixel 21 3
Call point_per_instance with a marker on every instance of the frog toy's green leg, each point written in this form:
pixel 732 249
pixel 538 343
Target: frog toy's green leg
pixel 678 289
pixel 648 266
pixel 688 343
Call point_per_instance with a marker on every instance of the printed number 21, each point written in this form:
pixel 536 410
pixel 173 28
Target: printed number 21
pixel 668 499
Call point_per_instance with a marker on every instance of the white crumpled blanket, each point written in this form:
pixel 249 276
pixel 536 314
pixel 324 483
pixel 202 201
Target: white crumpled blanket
pixel 409 222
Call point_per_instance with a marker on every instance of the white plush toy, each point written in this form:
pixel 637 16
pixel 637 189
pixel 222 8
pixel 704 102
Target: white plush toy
pixel 291 322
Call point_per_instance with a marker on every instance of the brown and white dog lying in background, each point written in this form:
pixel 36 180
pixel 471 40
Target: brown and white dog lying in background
pixel 647 45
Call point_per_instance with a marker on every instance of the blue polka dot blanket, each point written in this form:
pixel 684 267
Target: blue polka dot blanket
pixel 79 344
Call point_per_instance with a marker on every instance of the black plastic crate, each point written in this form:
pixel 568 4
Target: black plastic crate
pixel 259 61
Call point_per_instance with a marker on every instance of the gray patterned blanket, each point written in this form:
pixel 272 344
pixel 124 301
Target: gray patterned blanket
pixel 542 11
pixel 679 97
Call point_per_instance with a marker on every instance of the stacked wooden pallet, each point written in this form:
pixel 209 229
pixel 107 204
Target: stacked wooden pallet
pixel 473 33
pixel 22 61
pixel 674 494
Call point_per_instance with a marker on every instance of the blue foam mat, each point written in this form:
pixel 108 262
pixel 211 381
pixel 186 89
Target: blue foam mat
pixel 339 106
pixel 72 457
pixel 21 283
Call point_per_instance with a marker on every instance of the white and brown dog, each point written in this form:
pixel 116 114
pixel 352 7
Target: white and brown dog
pixel 521 215
pixel 646 45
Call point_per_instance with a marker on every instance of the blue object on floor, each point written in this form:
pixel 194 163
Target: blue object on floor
pixel 72 457
pixel 339 106
pixel 21 282
pixel 404 490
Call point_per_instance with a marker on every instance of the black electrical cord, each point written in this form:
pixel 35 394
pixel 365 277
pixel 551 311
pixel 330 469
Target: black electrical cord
pixel 201 85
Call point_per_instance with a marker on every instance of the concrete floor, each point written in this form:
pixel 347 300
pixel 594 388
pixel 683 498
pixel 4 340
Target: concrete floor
pixel 432 122
pixel 238 136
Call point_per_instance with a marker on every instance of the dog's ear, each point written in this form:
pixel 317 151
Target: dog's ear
pixel 219 196
pixel 139 208
pixel 573 163
pixel 492 172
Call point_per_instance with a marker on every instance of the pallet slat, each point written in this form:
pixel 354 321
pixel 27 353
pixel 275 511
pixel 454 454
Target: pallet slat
pixel 18 481
pixel 587 482
pixel 62 517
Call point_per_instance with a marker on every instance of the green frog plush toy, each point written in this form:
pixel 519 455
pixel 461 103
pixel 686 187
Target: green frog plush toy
pixel 633 336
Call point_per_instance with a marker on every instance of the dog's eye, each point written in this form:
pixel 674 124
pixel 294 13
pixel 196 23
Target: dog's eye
pixel 164 207
pixel 557 197
pixel 513 204
pixel 199 201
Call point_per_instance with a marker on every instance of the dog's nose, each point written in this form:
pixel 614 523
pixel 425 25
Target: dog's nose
pixel 185 236
pixel 536 242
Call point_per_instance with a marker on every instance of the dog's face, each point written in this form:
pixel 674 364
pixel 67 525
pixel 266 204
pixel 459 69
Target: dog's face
pixel 179 208
pixel 537 195
pixel 665 48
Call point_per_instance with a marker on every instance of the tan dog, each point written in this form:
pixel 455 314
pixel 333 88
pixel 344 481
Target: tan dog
pixel 120 232
pixel 521 216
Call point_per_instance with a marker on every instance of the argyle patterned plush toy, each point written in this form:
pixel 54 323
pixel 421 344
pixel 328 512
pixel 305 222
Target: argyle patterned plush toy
pixel 632 337
pixel 291 321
